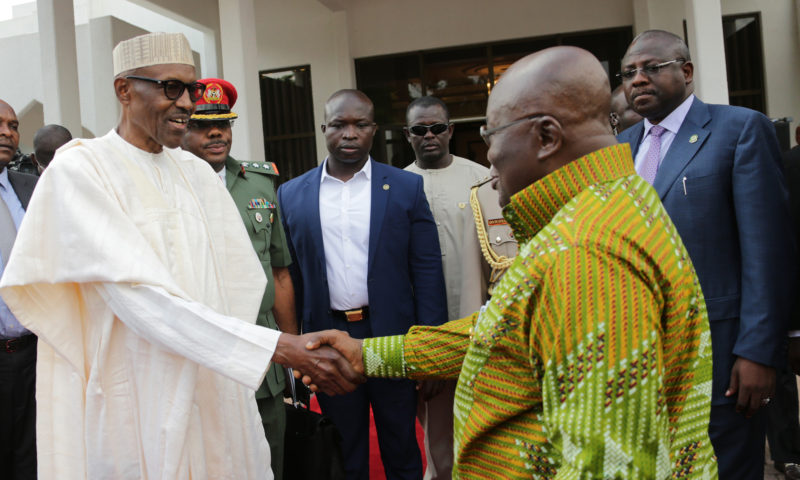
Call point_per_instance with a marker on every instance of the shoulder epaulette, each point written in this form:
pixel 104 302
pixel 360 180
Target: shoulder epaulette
pixel 481 182
pixel 268 168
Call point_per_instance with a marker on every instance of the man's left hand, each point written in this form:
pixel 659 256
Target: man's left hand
pixel 754 383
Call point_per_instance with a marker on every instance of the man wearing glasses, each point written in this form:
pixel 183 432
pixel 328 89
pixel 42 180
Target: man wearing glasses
pixel 252 186
pixel 592 358
pixel 447 182
pixel 717 170
pixel 134 270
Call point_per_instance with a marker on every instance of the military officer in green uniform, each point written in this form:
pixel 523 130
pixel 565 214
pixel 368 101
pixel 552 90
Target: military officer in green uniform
pixel 252 186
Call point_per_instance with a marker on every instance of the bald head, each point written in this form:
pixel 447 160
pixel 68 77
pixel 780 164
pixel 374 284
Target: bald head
pixel 351 96
pixel 566 82
pixel 45 143
pixel 672 44
pixel 547 110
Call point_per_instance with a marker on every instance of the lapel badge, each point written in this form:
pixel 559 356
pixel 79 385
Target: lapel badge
pixel 259 218
pixel 693 138
pixel 461 204
pixel 386 186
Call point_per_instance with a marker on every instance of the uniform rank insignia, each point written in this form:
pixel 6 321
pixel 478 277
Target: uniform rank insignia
pixel 260 203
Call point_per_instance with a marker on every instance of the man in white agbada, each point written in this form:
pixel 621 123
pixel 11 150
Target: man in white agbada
pixel 133 268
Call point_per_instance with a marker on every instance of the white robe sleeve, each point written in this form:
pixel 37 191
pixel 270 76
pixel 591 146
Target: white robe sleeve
pixel 231 347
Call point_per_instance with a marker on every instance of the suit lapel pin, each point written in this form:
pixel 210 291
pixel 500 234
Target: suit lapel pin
pixel 386 186
pixel 693 138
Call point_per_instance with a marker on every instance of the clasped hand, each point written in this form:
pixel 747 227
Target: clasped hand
pixel 329 360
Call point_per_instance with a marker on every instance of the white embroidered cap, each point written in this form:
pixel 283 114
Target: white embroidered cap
pixel 151 49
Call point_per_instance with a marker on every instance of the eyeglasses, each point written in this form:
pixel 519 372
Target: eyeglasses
pixel 422 130
pixel 488 132
pixel 647 70
pixel 209 124
pixel 173 89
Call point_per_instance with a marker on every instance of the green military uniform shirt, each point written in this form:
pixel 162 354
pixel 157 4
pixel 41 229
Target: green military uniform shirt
pixel 252 186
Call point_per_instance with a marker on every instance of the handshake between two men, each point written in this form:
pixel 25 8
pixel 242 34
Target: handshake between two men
pixel 328 361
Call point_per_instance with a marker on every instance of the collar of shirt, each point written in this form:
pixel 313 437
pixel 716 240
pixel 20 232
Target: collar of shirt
pixel 672 122
pixel 533 207
pixel 366 171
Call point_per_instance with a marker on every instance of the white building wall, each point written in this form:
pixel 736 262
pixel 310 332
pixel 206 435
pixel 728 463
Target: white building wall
pixel 305 32
pixel 379 27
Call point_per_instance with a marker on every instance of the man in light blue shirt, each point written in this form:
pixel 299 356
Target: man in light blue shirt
pixel 17 344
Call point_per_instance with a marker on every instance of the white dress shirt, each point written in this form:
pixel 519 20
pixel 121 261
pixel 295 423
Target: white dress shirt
pixel 672 123
pixel 344 211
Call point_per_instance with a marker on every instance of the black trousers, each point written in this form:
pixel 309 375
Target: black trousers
pixel 18 413
pixel 783 428
pixel 738 442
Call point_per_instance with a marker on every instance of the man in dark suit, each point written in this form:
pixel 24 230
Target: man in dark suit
pixel 717 171
pixel 17 344
pixel 366 260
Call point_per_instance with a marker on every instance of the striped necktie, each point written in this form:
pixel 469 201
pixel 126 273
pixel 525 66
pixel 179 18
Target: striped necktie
pixel 649 166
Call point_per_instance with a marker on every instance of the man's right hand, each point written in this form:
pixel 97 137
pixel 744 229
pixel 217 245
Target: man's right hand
pixel 328 369
pixel 350 348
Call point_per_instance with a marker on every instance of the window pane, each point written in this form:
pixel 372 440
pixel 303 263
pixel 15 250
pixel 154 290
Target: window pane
pixel 288 117
pixel 391 83
pixel 744 61
pixel 460 78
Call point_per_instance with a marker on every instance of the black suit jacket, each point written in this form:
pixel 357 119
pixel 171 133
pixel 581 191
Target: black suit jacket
pixel 791 167
pixel 23 185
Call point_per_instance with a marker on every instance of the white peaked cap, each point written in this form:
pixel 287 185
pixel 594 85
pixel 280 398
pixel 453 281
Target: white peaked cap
pixel 151 49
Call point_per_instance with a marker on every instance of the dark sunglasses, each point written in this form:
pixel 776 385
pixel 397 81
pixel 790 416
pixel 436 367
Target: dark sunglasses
pixel 173 89
pixel 422 130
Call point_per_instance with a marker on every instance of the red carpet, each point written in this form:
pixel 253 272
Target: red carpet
pixel 375 464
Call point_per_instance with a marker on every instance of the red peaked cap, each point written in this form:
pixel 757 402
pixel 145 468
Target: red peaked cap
pixel 217 100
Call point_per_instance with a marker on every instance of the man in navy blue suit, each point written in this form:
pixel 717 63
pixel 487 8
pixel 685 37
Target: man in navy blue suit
pixel 717 170
pixel 366 260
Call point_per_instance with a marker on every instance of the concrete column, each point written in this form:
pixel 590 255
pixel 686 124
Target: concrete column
pixel 657 15
pixel 240 67
pixel 59 64
pixel 707 45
